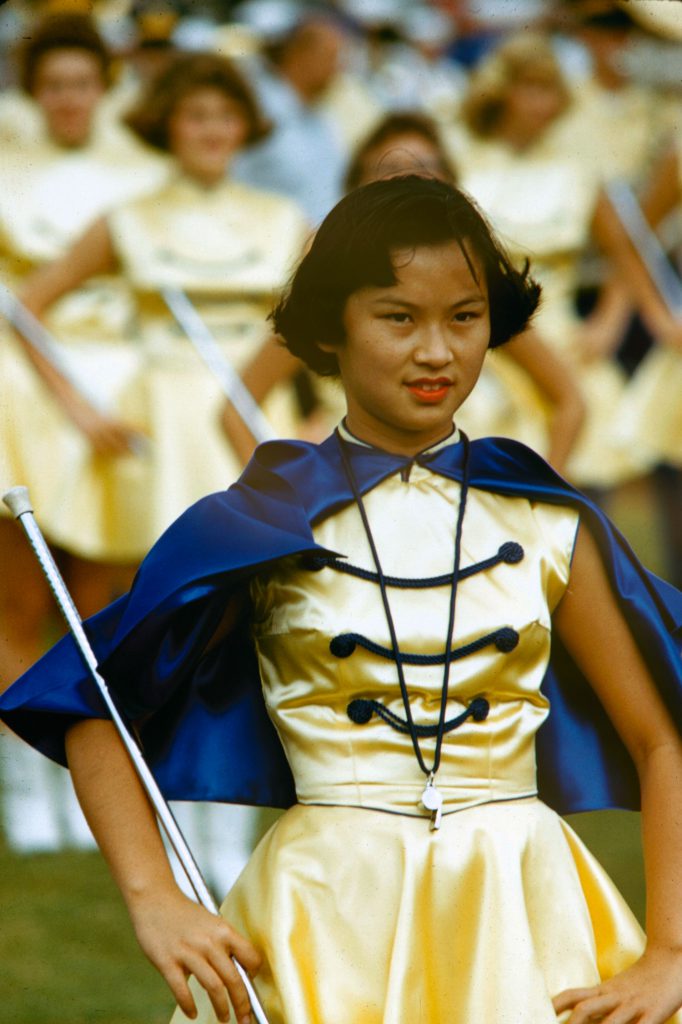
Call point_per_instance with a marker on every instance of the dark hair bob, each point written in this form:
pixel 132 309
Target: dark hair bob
pixel 353 249
pixel 150 118
pixel 62 32
pixel 392 126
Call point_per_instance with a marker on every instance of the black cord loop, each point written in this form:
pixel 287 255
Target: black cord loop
pixel 361 710
pixel 509 553
pixel 343 645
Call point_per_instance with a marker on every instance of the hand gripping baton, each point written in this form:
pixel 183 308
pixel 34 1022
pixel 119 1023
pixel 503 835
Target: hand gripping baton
pixel 19 504
pixel 37 337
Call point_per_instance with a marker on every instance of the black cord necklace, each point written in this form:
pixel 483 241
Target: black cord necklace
pixel 432 798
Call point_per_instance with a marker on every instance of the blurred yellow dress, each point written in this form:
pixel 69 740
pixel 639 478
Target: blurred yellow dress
pixel 620 132
pixel 541 205
pixel 363 914
pixel 230 248
pixel 48 196
pixel 652 415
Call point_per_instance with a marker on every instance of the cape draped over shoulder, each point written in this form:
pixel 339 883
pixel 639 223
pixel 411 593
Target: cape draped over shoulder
pixel 201 716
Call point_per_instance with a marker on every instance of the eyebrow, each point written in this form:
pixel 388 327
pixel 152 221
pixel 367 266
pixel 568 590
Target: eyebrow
pixel 389 300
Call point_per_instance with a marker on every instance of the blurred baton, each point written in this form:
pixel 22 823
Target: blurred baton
pixel 19 504
pixel 196 330
pixel 37 337
pixel 647 244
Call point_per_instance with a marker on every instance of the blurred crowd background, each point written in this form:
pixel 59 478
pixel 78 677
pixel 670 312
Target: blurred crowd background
pixel 158 152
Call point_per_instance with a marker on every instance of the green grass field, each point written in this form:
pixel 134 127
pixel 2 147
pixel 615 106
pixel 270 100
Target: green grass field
pixel 67 950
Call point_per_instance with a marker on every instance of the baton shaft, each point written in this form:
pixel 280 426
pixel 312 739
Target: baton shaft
pixel 234 388
pixel 647 244
pixel 161 808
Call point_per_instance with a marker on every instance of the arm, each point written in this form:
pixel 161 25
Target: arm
pixel 91 255
pixel 604 329
pixel 614 241
pixel 179 936
pixel 555 379
pixel 651 989
pixel 271 365
pixel 663 191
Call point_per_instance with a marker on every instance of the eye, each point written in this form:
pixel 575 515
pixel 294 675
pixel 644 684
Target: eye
pixel 463 316
pixel 397 318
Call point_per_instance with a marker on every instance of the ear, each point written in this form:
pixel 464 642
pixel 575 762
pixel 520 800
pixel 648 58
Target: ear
pixel 327 346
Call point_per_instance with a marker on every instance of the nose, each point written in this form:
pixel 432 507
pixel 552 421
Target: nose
pixel 433 347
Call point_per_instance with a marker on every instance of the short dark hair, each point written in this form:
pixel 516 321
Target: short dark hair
pixel 61 32
pixel 399 122
pixel 353 249
pixel 150 118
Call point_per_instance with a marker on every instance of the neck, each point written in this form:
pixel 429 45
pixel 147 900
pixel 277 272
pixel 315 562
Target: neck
pixel 516 136
pixel 206 180
pixel 389 441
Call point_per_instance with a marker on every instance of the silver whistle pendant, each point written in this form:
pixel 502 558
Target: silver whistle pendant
pixel 432 800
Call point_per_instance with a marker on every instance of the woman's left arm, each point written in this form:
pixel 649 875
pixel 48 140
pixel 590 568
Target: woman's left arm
pixel 593 629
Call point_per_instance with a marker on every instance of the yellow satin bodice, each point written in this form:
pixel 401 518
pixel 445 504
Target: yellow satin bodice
pixel 228 240
pixel 297 612
pixel 49 195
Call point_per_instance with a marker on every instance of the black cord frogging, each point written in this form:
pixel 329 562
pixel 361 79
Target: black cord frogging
pixel 505 639
pixel 510 553
pixel 361 710
pixel 409 721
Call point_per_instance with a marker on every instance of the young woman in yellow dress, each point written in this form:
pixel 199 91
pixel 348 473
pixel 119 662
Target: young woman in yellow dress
pixel 50 191
pixel 546 203
pixel 228 247
pixel 415 603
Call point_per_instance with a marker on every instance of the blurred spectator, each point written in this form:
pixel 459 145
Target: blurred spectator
pixel 618 124
pixel 304 156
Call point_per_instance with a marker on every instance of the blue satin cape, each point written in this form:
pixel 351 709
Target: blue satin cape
pixel 201 716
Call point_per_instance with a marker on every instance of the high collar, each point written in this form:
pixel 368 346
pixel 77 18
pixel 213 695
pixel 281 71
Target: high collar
pixel 452 438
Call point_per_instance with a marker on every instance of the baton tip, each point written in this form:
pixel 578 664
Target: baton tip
pixel 18 501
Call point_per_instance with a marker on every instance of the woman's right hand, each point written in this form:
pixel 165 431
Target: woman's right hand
pixel 107 435
pixel 182 938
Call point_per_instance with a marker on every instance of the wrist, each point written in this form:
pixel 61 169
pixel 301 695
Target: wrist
pixel 142 891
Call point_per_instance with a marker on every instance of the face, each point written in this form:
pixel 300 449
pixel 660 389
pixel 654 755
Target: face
pixel 319 59
pixel 413 350
pixel 68 86
pixel 533 102
pixel 205 130
pixel 409 153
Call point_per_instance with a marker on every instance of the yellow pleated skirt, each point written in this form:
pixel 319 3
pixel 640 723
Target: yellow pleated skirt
pixel 367 917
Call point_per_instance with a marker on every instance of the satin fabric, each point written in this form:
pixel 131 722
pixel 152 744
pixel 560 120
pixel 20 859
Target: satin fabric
pixel 370 918
pixel 209 739
pixel 299 614
pixel 364 915
pixel 230 248
pixel 48 198
pixel 542 204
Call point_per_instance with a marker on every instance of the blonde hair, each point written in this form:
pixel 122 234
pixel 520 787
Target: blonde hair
pixel 520 57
